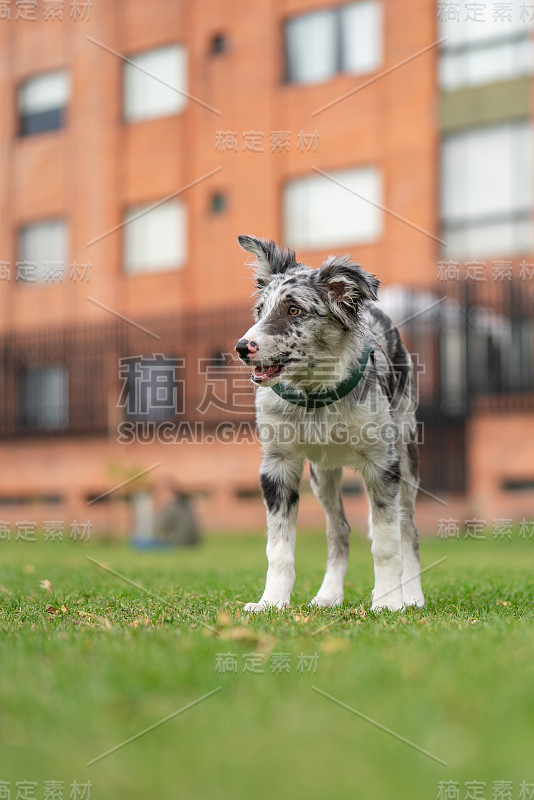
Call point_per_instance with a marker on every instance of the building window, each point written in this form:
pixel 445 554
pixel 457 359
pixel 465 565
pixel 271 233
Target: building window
pixel 322 43
pixel 44 397
pixel 320 213
pixel 151 389
pixel 42 252
pixel 486 190
pixel 155 238
pixel 487 49
pixel 155 83
pixel 42 101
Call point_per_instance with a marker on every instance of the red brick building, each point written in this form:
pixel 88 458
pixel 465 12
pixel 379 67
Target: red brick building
pixel 138 139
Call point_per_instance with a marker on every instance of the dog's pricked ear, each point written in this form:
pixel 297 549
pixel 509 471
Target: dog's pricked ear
pixel 346 285
pixel 270 260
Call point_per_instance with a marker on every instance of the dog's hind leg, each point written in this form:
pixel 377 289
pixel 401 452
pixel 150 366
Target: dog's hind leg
pixel 326 485
pixel 383 488
pixel 411 570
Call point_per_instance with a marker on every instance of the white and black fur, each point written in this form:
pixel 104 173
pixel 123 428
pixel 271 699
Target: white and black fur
pixel 310 328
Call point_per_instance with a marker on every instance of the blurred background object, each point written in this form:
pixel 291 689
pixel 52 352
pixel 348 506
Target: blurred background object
pixel 163 517
pixel 139 139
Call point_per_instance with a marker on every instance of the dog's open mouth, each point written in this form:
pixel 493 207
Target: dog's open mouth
pixel 263 373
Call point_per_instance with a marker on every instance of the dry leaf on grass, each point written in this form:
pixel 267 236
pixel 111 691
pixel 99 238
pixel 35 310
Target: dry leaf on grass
pixel 54 611
pixel 100 622
pixel 224 619
pixel 333 646
pixel 266 643
pixel 238 634
pixel 141 621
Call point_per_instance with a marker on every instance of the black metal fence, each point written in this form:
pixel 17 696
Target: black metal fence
pixel 472 344
pixel 83 379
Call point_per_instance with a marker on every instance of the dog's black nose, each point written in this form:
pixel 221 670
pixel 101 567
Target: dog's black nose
pixel 246 348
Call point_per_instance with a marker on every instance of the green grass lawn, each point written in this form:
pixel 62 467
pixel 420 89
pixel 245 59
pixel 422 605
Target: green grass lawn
pixel 88 661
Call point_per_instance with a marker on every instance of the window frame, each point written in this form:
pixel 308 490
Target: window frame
pixel 63 109
pixel 499 36
pixel 158 270
pixel 370 240
pixel 134 383
pixel 337 11
pixel 30 425
pixel 130 64
pixel 515 215
pixel 24 225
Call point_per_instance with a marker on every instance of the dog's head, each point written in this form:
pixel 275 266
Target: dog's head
pixel 303 317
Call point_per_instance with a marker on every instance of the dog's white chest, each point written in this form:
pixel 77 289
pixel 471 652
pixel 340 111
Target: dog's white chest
pixel 331 442
pixel 327 438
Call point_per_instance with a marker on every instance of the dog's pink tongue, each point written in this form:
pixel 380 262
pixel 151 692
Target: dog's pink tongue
pixel 266 372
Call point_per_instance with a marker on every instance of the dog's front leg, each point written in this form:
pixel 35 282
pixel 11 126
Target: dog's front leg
pixel 384 490
pixel 280 485
pixel 326 485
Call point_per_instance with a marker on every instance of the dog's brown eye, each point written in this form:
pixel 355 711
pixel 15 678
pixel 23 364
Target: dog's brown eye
pixel 293 311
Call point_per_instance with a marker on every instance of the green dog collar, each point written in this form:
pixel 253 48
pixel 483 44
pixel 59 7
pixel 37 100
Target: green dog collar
pixel 326 398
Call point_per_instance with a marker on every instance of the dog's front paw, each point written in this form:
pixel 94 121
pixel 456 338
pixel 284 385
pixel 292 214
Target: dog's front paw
pixel 323 601
pixel 414 599
pixel 391 600
pixel 263 604
pixel 255 607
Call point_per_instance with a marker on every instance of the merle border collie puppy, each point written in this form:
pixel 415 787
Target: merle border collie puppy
pixel 334 386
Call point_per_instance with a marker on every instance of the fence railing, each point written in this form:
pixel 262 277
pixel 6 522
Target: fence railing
pixel 473 344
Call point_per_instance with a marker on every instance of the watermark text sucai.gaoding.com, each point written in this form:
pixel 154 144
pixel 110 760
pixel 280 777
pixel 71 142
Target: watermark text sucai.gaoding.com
pixel 232 432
